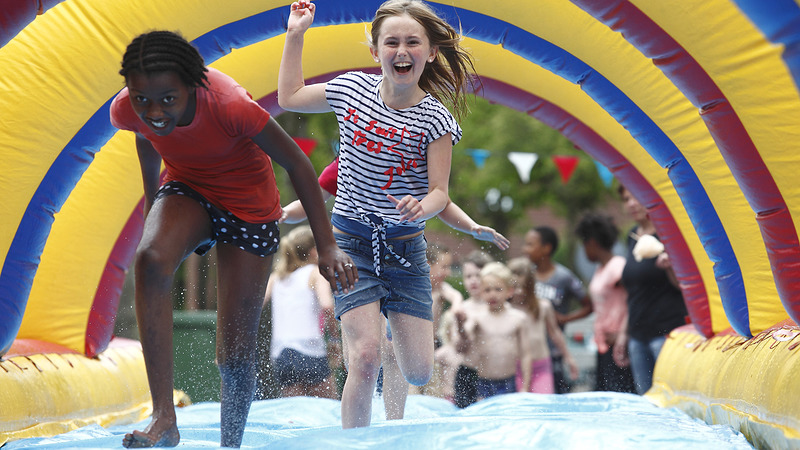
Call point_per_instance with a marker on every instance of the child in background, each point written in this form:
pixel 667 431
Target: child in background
pixel 300 296
pixel 466 377
pixel 445 296
pixel 499 336
pixel 217 145
pixel 560 286
pixel 599 234
pixel 396 139
pixel 543 325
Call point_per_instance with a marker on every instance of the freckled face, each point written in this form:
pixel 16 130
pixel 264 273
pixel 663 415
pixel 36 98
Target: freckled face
pixel 162 100
pixel 403 49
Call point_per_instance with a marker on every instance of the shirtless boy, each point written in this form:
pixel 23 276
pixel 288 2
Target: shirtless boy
pixel 499 336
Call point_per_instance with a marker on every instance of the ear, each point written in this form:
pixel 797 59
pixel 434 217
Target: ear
pixel 374 52
pixel 433 53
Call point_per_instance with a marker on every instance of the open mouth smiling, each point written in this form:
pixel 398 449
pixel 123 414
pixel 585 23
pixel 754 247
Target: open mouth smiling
pixel 158 123
pixel 403 67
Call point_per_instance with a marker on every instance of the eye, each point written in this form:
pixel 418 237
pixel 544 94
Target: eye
pixel 140 99
pixel 168 100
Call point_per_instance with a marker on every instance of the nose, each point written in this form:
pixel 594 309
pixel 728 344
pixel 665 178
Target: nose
pixel 402 49
pixel 154 109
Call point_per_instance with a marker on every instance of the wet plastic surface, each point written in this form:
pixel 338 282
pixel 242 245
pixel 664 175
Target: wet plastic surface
pixel 572 421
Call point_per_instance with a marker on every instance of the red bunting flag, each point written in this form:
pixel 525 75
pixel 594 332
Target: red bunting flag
pixel 566 165
pixel 307 145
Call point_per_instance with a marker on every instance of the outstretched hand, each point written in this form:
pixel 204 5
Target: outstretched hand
pixel 488 234
pixel 409 207
pixel 338 269
pixel 301 15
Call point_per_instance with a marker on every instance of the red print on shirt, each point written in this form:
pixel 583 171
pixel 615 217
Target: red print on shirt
pixel 408 143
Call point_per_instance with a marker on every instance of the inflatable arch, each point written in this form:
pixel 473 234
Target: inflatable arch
pixel 692 105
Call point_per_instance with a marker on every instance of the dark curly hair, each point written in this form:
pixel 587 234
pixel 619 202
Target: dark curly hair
pixel 599 227
pixel 162 51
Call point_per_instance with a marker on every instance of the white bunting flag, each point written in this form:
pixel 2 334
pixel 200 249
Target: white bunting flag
pixel 524 163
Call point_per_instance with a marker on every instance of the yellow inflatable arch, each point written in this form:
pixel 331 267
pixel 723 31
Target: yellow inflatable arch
pixel 692 104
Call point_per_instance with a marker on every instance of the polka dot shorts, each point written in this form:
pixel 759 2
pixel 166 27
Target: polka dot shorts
pixel 261 239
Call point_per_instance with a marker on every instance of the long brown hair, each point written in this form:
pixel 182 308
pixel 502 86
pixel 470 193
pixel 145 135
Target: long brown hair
pixel 452 71
pixel 523 271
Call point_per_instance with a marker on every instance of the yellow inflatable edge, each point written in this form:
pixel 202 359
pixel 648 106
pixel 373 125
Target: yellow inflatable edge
pixel 47 394
pixel 730 380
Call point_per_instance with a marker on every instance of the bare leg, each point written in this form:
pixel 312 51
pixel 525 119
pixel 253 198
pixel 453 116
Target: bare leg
pixel 395 387
pixel 412 340
pixel 242 283
pixel 361 328
pixel 174 227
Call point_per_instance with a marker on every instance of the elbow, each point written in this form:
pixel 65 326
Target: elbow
pixel 283 100
pixel 287 97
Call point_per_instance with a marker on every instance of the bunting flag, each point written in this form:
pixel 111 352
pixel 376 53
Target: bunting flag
pixel 479 156
pixel 307 145
pixel 566 165
pixel 604 173
pixel 524 162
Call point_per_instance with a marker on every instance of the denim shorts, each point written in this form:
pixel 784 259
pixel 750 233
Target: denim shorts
pixel 292 367
pixel 261 239
pixel 406 290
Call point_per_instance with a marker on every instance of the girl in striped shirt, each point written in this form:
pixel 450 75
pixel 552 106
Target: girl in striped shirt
pixel 396 139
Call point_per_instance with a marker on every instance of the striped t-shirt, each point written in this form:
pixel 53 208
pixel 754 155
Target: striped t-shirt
pixel 382 150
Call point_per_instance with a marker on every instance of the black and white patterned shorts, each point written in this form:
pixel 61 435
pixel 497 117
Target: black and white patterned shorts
pixel 261 239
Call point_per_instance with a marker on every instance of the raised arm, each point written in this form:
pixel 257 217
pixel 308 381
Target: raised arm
pixel 293 94
pixel 457 219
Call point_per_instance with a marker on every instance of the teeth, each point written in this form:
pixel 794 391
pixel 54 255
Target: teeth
pixel 160 124
pixel 403 64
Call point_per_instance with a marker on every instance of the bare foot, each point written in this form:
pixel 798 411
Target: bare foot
pixel 152 436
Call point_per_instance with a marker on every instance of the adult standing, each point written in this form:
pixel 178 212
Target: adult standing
pixel 655 304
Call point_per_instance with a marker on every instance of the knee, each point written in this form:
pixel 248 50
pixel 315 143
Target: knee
pixel 419 375
pixel 152 263
pixel 365 360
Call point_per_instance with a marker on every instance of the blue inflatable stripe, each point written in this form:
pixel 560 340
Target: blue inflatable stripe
pixel 25 251
pixel 779 20
pixel 702 214
pixel 22 260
